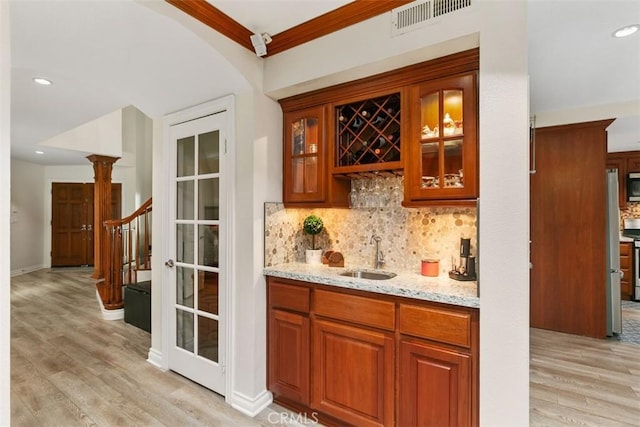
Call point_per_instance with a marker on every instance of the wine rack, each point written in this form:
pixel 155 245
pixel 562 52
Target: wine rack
pixel 368 132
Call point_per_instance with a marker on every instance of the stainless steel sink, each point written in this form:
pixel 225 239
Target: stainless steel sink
pixel 371 275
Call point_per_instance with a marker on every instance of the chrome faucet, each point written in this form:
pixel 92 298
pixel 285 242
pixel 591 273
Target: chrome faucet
pixel 379 260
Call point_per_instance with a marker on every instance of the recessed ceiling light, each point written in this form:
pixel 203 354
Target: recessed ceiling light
pixel 42 81
pixel 625 31
pixel 39 152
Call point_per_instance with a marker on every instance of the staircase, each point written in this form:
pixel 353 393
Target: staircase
pixel 125 255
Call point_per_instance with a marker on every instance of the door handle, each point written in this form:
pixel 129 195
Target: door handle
pixel 83 227
pixel 620 272
pixel 169 263
pixel 90 227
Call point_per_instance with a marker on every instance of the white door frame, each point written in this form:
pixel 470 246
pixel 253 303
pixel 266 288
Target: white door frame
pixel 227 104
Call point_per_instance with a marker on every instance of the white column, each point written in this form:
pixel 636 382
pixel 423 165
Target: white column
pixel 5 209
pixel 504 214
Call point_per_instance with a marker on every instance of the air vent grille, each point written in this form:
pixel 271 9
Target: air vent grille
pixel 442 7
pixel 413 15
pixel 419 14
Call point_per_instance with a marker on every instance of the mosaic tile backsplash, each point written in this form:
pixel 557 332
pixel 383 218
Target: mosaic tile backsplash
pixel 632 211
pixel 408 235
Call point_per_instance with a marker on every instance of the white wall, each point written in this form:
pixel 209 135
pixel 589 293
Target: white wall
pixel 27 217
pixel 144 158
pixel 504 215
pixel 5 203
pixel 137 146
pixel 100 136
pixel 366 49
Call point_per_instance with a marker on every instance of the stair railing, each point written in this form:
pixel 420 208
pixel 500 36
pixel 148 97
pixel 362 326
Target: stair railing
pixel 125 251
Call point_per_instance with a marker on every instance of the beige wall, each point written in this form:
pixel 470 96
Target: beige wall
pixel 5 203
pixel 27 217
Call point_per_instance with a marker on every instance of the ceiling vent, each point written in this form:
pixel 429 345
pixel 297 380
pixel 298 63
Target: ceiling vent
pixel 420 14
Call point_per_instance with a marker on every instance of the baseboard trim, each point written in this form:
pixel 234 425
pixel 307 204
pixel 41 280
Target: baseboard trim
pixel 155 358
pixel 26 270
pixel 250 406
pixel 109 314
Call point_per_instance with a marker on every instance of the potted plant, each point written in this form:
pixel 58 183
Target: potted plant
pixel 313 225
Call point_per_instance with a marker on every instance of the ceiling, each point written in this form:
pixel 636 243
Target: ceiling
pixel 103 55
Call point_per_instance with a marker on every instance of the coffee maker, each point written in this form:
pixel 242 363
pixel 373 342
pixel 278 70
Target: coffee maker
pixel 465 270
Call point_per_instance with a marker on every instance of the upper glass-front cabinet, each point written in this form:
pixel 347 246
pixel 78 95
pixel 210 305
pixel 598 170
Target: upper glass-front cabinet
pixel 443 150
pixel 304 156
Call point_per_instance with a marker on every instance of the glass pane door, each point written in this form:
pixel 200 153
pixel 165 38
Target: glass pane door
pixel 198 226
pixel 197 237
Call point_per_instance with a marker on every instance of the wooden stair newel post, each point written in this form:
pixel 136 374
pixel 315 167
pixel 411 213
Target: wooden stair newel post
pixel 102 167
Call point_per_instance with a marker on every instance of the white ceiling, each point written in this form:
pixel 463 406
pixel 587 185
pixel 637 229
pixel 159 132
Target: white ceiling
pixel 103 55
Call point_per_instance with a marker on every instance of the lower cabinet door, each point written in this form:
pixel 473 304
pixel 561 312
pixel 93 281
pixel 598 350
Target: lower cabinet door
pixel 435 386
pixel 289 355
pixel 353 372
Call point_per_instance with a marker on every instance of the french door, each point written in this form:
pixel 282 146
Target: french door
pixel 197 240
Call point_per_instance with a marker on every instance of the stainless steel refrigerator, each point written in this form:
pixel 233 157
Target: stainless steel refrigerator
pixel 614 304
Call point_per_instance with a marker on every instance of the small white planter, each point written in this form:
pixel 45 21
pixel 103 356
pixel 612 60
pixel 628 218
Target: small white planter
pixel 313 256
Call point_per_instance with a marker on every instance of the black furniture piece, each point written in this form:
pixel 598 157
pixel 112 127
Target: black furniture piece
pixel 137 305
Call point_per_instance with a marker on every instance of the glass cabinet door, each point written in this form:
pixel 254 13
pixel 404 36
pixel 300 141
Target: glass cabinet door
pixel 304 156
pixel 443 164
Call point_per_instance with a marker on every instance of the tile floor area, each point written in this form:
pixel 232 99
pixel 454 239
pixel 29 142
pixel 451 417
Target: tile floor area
pixel 630 322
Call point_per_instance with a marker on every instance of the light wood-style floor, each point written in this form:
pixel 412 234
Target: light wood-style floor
pixel 583 381
pixel 69 367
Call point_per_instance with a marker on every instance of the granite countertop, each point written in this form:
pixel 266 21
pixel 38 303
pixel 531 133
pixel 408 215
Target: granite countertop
pixel 408 284
pixel 624 239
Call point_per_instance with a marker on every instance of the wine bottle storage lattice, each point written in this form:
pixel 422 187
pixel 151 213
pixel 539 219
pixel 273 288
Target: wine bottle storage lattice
pixel 368 131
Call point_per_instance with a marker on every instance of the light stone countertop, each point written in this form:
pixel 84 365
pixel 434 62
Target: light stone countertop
pixel 406 284
pixel 625 239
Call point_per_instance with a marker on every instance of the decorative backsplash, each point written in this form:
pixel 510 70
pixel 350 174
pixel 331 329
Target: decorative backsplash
pixel 632 211
pixel 408 234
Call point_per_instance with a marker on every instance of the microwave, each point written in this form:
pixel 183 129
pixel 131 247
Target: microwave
pixel 633 187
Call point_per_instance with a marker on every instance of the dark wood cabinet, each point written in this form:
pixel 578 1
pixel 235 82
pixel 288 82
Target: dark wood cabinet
pixel 442 144
pixel 378 125
pixel 626 265
pixel 435 385
pixel 289 340
pixel 568 248
pixel 633 162
pixel 304 156
pixel 365 346
pixel 289 372
pixel 368 135
pixel 353 373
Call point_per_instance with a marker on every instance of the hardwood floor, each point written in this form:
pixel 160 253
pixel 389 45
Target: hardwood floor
pixel 584 381
pixel 69 367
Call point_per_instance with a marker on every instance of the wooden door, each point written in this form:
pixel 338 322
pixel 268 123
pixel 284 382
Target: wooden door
pixel 353 373
pixel 72 225
pixel 289 355
pixel 71 216
pixel 568 229
pixel 435 386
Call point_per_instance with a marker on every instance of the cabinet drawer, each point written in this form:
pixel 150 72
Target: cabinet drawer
pixel 625 249
pixel 436 324
pixel 289 296
pixel 625 263
pixel 352 308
